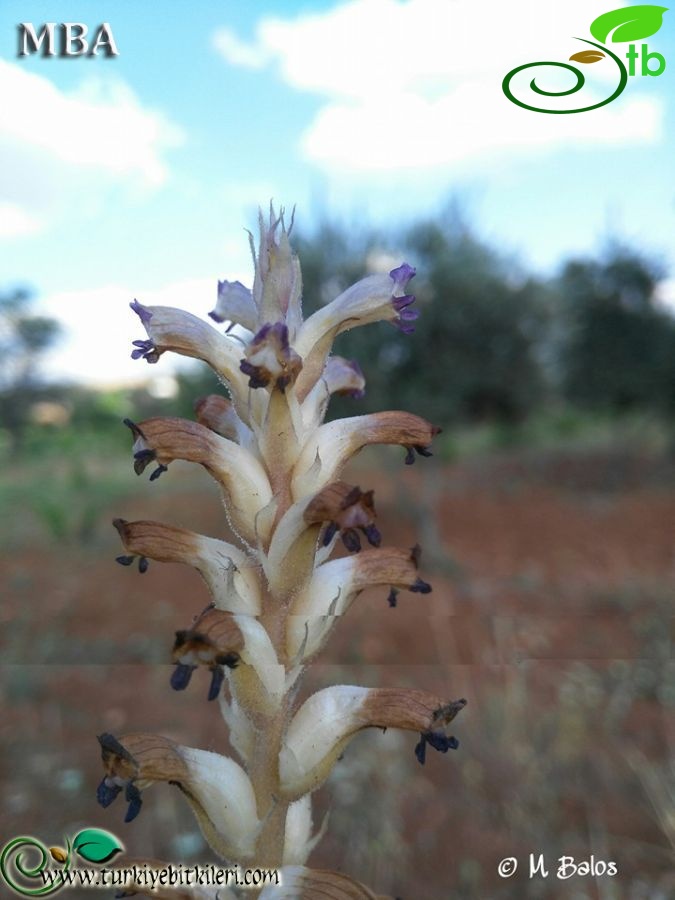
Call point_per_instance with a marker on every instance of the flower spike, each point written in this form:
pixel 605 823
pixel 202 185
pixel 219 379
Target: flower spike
pixel 276 587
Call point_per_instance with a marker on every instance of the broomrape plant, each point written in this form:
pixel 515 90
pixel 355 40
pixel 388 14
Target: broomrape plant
pixel 277 594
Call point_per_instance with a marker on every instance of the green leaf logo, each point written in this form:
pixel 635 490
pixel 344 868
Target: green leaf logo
pixel 96 845
pixel 630 23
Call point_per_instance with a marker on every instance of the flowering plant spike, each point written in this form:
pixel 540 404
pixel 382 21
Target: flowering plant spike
pixel 276 593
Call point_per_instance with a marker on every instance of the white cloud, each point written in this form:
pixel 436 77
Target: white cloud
pixel 98 327
pixel 17 222
pixel 418 84
pixel 238 52
pixel 53 143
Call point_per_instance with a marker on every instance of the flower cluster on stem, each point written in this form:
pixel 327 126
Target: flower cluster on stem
pixel 277 591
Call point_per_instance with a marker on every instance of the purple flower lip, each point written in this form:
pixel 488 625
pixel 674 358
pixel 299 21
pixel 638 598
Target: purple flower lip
pixel 437 740
pixel 217 677
pixel 329 533
pixel 420 587
pixel 145 349
pixel 402 274
pixel 181 676
pixel 141 311
pixel 105 794
pixel 400 303
pixel 133 797
pixel 408 315
pixel 405 315
pixel 420 450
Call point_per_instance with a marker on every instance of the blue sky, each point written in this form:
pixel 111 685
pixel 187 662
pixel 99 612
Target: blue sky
pixel 135 176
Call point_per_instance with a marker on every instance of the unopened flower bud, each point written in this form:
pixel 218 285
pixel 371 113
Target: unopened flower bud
pixel 235 304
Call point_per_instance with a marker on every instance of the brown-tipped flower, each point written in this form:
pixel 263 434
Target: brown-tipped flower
pixel 216 787
pixel 270 360
pixel 345 508
pixel 333 444
pixel 245 483
pixel 218 639
pixel 232 581
pixel 301 883
pixel 326 722
pixel 218 414
pixel 334 586
pixel 134 762
pixel 214 640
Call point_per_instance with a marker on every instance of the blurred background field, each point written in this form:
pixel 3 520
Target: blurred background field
pixel 547 521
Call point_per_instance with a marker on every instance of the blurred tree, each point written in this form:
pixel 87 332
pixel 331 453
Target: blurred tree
pixel 618 346
pixel 482 322
pixel 24 338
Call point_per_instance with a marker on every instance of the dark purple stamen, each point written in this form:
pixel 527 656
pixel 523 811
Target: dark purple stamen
pixel 437 740
pixel 181 676
pixel 141 311
pixel 143 565
pixel 441 742
pixel 421 750
pixel 142 458
pixel 351 540
pixel 133 796
pixel 392 599
pixel 105 794
pixel 420 587
pixel 158 471
pixel 423 451
pixel 410 456
pixel 329 534
pixel 416 555
pixel 372 532
pixel 217 676
pixel 125 560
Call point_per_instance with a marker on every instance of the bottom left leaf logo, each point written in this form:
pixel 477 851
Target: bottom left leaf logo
pixel 31 876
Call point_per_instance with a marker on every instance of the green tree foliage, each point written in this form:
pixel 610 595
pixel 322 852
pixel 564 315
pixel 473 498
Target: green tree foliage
pixel 24 338
pixel 481 325
pixel 618 346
